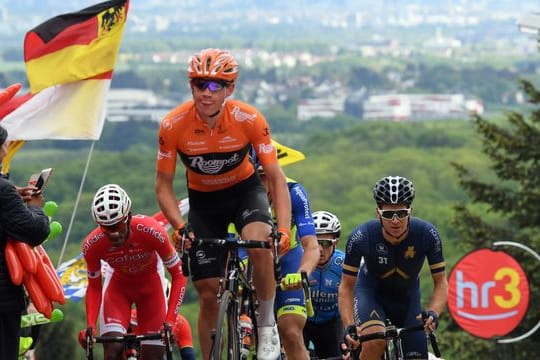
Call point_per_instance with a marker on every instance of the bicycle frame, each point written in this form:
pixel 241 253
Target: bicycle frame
pixel 393 337
pixel 236 295
pixel 131 342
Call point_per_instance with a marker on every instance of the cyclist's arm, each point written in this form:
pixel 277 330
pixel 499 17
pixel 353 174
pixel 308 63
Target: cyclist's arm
pixel 93 299
pixel 305 227
pixel 279 193
pixel 178 286
pixel 440 292
pixel 311 255
pixel 167 200
pixel 345 299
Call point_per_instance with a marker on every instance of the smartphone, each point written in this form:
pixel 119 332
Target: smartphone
pixel 40 180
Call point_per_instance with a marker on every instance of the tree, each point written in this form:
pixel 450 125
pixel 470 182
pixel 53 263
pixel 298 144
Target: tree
pixel 511 204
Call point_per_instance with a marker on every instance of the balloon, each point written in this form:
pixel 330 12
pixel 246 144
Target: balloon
pixel 14 265
pixel 26 255
pixel 50 208
pixel 55 229
pixel 37 296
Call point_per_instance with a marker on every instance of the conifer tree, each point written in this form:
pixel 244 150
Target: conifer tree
pixel 513 200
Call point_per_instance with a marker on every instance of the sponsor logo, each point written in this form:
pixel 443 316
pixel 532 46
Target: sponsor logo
pixel 164 155
pixel 248 213
pixel 302 195
pixel 227 139
pixel 266 148
pixel 94 239
pixel 152 231
pixel 381 249
pixel 218 181
pixel 242 116
pixel 409 253
pixel 488 293
pixel 166 125
pixel 213 166
pixel 195 143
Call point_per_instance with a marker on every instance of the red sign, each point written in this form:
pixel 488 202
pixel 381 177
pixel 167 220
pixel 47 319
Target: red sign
pixel 488 293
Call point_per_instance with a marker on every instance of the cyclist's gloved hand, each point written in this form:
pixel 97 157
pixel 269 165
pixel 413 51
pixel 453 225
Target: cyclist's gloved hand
pixel 350 331
pixel 179 238
pixel 82 337
pixel 430 318
pixel 292 281
pixel 284 241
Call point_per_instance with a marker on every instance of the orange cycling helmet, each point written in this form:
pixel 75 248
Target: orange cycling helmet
pixel 213 64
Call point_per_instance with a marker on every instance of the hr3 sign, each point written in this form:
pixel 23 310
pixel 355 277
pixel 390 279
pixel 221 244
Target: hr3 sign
pixel 488 293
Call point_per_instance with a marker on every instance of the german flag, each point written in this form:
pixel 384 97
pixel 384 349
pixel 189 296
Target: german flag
pixel 69 62
pixel 75 46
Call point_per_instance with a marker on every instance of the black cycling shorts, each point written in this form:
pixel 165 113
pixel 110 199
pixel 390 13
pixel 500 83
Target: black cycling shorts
pixel 210 214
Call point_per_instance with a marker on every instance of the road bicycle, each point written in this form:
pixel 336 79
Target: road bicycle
pixel 131 341
pixel 236 296
pixel 393 337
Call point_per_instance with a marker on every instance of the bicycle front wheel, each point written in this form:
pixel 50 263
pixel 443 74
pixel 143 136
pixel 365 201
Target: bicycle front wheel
pixel 226 344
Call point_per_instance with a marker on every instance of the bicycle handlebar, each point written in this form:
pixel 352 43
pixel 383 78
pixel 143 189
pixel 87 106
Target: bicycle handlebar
pixel 391 331
pixel 307 293
pixel 128 337
pixel 232 243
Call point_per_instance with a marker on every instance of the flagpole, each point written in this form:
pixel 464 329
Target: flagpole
pixel 90 152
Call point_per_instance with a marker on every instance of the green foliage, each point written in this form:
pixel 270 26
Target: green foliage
pixel 340 170
pixel 512 196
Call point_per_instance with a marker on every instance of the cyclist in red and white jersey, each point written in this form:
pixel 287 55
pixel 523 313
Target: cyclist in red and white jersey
pixel 130 245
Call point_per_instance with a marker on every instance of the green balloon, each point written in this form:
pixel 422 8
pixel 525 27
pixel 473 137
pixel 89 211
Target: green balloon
pixel 50 208
pixel 56 229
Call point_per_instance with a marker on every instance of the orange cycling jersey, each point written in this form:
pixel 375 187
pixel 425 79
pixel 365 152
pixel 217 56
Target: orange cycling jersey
pixel 215 158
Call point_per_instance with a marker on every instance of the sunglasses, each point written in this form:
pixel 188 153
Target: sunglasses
pixel 326 243
pixel 389 214
pixel 213 85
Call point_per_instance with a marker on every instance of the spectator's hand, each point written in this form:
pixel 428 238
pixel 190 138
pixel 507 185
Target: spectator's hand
pixel 182 239
pixel 292 281
pixel 36 199
pixel 284 241
pixel 82 336
pixel 430 318
pixel 26 192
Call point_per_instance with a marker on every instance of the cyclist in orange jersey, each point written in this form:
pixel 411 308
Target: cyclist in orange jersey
pixel 213 135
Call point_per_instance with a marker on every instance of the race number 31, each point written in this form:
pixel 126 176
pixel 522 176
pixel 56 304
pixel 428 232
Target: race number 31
pixel 488 293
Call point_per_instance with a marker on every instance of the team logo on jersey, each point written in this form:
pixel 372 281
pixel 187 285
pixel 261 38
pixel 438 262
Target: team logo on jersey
pixel 242 116
pixel 164 155
pixel 166 125
pixel 381 249
pixel 213 166
pixel 374 314
pixel 266 149
pixel 409 253
pixel 227 139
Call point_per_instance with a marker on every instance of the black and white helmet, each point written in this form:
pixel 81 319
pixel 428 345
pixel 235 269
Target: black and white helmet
pixel 326 223
pixel 111 205
pixel 393 190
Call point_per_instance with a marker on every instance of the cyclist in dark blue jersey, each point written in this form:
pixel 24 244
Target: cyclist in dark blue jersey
pixel 325 330
pixel 387 285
